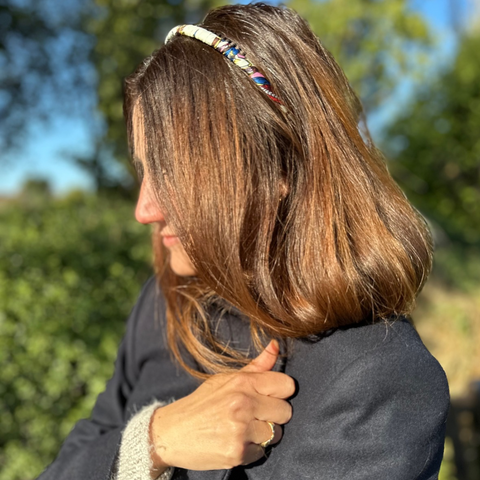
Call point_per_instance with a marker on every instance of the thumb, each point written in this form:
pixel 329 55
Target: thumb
pixel 265 360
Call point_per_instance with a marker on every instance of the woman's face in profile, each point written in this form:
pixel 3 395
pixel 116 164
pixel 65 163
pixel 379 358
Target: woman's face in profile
pixel 148 211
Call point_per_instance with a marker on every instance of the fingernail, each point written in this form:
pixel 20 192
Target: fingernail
pixel 274 344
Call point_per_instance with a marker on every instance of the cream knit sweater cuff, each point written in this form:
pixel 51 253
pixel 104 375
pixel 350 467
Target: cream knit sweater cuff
pixel 134 461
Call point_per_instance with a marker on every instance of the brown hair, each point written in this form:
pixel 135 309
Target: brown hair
pixel 292 217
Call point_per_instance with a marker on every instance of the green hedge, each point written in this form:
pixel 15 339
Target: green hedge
pixel 70 271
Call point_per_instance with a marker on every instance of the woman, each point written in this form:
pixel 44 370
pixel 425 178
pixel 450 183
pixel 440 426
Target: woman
pixel 288 260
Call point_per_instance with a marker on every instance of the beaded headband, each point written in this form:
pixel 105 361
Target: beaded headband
pixel 230 50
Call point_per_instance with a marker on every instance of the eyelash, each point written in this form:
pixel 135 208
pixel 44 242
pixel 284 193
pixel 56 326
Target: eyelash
pixel 140 171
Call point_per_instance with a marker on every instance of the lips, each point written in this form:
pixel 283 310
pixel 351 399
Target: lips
pixel 169 240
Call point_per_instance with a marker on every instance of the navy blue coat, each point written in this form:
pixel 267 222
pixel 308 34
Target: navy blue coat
pixel 371 403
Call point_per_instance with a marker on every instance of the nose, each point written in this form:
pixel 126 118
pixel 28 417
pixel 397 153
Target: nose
pixel 147 210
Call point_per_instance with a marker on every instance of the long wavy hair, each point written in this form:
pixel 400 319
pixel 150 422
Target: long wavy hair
pixel 290 215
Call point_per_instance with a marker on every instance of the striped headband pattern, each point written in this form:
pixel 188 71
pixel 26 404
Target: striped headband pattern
pixel 228 49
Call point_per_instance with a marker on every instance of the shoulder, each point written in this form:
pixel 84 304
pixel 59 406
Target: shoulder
pixel 375 389
pixel 390 369
pixel 387 350
pixel 384 360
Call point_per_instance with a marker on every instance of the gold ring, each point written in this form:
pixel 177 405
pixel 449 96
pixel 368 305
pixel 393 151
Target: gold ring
pixel 266 443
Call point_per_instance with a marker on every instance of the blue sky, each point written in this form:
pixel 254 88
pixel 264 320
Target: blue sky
pixel 46 153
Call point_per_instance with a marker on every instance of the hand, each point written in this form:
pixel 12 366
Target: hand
pixel 221 424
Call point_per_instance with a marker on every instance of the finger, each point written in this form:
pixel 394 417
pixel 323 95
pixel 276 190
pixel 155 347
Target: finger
pixel 253 452
pixel 260 431
pixel 266 360
pixel 272 410
pixel 273 384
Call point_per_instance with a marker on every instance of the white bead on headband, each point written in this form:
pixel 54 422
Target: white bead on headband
pixel 228 49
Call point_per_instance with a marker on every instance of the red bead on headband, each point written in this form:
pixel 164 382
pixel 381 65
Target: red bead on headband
pixel 228 49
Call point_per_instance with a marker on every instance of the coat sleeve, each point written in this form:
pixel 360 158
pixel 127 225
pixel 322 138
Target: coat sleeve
pixel 90 450
pixel 383 417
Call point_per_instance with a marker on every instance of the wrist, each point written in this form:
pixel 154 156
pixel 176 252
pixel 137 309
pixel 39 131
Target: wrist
pixel 158 447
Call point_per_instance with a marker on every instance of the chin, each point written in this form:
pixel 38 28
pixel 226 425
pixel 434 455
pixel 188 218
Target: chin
pixel 182 267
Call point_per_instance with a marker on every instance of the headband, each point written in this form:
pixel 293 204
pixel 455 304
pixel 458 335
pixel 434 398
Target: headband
pixel 228 49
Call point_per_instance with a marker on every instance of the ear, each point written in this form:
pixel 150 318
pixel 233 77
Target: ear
pixel 283 188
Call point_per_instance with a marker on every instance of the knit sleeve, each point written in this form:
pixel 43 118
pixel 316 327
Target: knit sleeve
pixel 134 459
